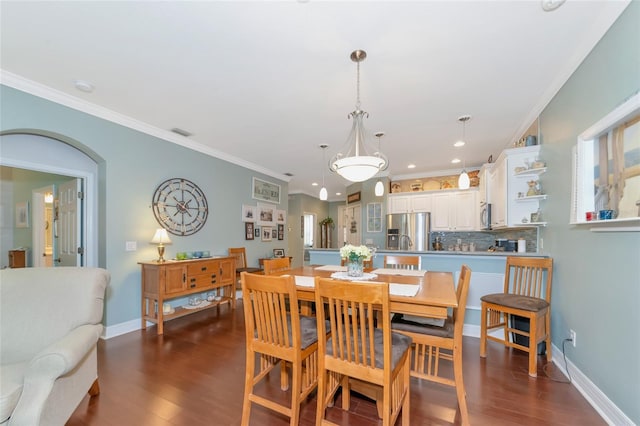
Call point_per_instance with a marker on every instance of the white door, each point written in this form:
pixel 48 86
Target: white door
pixel 349 225
pixel 69 221
pixel 42 237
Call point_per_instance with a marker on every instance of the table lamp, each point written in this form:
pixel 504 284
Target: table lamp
pixel 161 238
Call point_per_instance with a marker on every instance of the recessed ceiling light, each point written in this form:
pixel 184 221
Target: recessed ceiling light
pixel 455 161
pixel 551 5
pixel 411 166
pixel 338 193
pixel 459 144
pixel 314 184
pixel 84 86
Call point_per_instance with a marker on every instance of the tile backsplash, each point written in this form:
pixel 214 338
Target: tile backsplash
pixel 485 239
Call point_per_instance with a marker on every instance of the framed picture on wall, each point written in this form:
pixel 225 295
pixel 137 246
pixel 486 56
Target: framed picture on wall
pixel 266 233
pixel 274 233
pixel 266 214
pixel 278 253
pixel 353 198
pixel 256 232
pixel 265 191
pixel 280 232
pixel 248 213
pixel 22 214
pixel 281 216
pixel 248 231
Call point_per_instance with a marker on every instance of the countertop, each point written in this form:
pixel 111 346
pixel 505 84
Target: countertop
pixel 446 252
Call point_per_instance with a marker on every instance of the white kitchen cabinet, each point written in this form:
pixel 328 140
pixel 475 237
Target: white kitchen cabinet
pixel 454 211
pixel 414 203
pixel 498 193
pixel 484 186
pixel 510 179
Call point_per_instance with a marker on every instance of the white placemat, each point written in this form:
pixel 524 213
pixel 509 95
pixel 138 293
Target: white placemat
pixel 199 305
pixel 332 268
pixel 405 272
pixel 403 289
pixel 343 276
pixel 303 281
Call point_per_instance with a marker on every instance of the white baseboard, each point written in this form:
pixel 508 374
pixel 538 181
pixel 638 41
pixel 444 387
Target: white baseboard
pixel 609 412
pixel 122 328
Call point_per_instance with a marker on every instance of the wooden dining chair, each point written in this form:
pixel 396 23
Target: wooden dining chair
pixel 277 335
pixel 527 293
pixel 354 348
pixel 433 343
pixel 240 255
pixel 274 265
pixel 402 262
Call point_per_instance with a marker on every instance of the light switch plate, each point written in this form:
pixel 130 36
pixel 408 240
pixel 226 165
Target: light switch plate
pixel 131 246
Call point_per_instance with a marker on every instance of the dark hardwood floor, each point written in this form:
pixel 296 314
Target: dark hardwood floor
pixel 193 375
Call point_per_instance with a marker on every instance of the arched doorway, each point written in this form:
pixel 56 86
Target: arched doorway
pixel 52 154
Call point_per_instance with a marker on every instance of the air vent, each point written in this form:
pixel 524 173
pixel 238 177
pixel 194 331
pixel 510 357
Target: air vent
pixel 181 132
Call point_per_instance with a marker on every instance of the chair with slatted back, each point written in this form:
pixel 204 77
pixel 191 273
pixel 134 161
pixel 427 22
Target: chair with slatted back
pixel 402 262
pixel 435 342
pixel 276 335
pixel 240 255
pixel 278 264
pixel 527 294
pixel 357 349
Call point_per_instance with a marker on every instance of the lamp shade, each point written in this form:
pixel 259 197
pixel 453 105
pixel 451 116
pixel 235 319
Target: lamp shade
pixel 358 169
pixel 161 237
pixel 323 194
pixel 379 189
pixel 463 180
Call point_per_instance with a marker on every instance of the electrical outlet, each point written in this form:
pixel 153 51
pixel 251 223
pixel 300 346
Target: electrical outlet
pixel 572 336
pixel 130 246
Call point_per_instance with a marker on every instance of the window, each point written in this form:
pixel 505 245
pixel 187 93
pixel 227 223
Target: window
pixel 607 167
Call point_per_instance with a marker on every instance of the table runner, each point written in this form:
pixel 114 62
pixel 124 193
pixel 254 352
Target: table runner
pixel 406 272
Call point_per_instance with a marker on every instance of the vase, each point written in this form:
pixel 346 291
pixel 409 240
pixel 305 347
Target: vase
pixel 355 268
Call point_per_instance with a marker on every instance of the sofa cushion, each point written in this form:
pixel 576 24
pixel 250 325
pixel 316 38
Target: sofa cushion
pixel 11 382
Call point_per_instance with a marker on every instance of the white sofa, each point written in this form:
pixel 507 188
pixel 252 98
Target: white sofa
pixel 50 322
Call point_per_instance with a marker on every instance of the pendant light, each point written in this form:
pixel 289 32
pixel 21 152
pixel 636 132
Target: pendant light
pixel 379 189
pixel 353 162
pixel 323 190
pixel 463 180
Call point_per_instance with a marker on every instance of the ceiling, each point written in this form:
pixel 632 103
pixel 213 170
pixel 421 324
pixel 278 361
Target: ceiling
pixel 263 84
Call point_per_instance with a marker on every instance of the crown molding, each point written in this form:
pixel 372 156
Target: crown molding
pixel 45 92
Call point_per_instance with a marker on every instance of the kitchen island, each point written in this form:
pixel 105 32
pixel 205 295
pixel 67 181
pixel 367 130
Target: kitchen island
pixel 487 274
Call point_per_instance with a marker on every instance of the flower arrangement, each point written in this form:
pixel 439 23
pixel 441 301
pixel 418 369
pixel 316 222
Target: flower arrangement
pixel 355 253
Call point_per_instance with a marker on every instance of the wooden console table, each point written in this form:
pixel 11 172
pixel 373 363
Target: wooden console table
pixel 163 281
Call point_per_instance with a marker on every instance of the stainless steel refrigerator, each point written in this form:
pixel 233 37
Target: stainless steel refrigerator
pixel 408 231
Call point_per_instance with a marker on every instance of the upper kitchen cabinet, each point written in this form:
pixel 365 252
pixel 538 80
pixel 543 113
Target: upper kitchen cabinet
pixel 515 188
pixel 414 203
pixel 455 211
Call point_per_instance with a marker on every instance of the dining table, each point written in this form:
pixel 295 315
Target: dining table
pixel 421 293
pixel 412 292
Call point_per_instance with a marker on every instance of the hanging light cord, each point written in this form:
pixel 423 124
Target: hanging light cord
pixel 358 85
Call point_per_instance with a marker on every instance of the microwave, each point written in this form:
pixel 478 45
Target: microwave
pixel 485 216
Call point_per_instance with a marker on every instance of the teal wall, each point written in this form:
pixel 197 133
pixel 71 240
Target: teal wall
pixel 134 164
pixel 596 286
